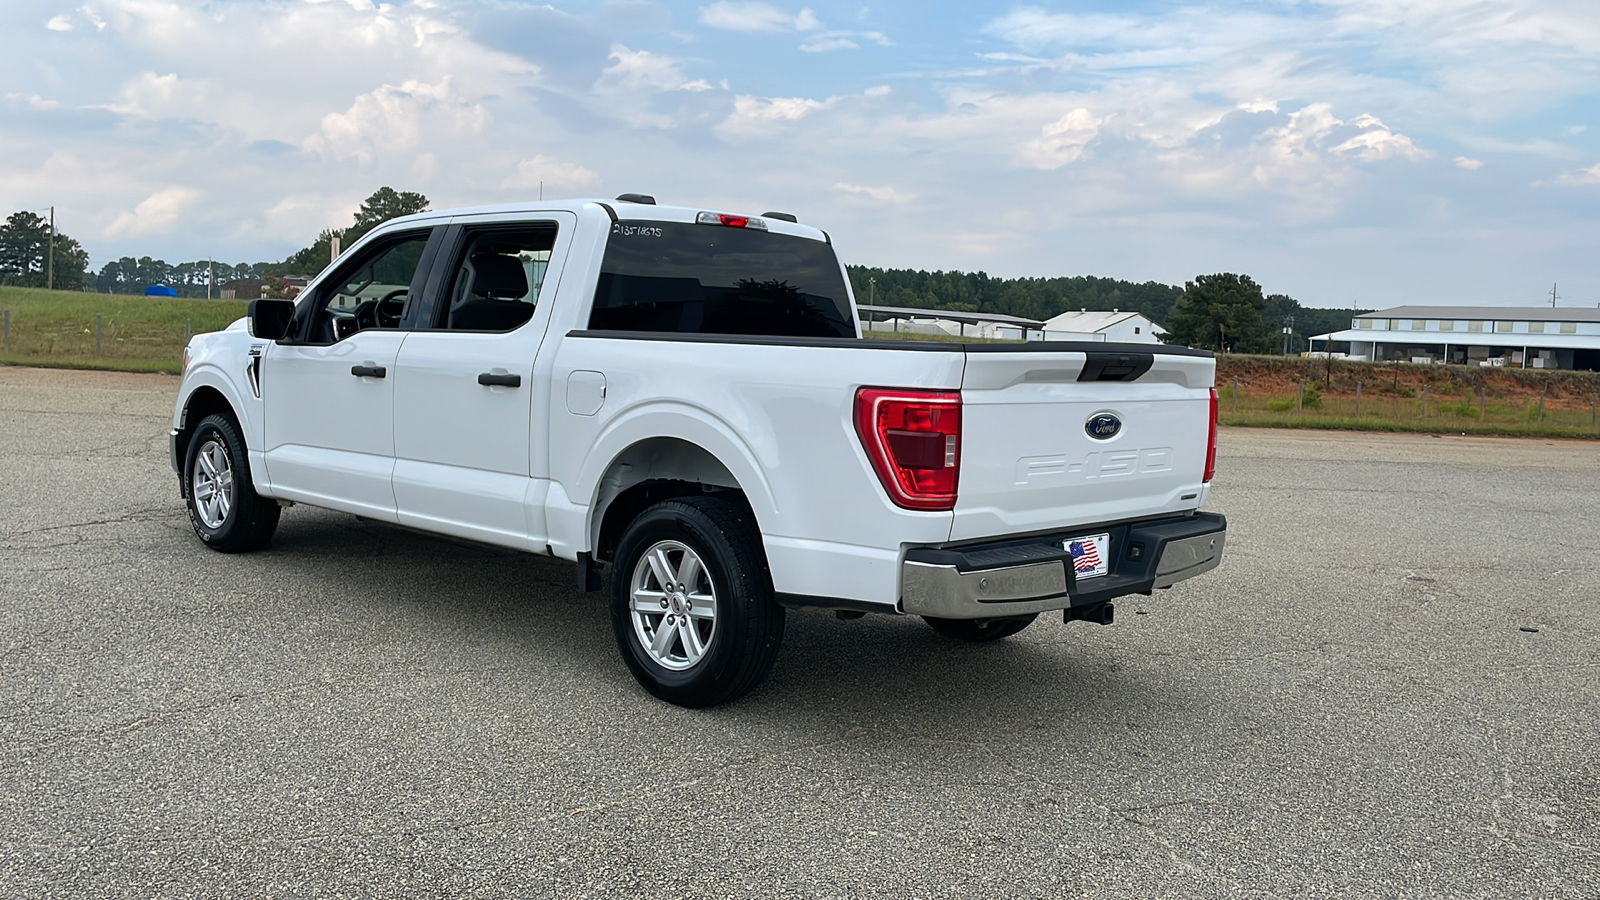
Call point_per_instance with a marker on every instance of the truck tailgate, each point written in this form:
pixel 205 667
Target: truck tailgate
pixel 1029 462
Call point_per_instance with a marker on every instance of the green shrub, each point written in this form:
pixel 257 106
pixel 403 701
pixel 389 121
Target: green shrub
pixel 1282 404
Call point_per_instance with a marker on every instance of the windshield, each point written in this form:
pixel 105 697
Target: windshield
pixel 712 279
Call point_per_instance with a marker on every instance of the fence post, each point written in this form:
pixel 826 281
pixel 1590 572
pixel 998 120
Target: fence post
pixel 1541 402
pixel 1483 393
pixel 8 330
pixel 96 334
pixel 1424 401
pixel 1300 398
pixel 1236 393
pixel 1594 412
pixel 188 330
pixel 1358 399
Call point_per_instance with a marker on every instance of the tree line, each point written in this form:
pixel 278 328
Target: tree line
pixel 1224 311
pixel 1213 311
pixel 25 239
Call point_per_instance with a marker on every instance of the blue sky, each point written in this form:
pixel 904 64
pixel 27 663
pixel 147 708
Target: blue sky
pixel 1345 152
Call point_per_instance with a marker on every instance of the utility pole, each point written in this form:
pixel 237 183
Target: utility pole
pixel 1553 295
pixel 50 255
pixel 1288 329
pixel 872 290
pixel 211 276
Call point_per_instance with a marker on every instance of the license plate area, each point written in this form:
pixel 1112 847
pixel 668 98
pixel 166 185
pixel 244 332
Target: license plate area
pixel 1091 554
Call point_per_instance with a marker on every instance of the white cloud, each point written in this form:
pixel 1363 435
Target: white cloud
pixel 843 40
pixel 1377 142
pixel 1590 175
pixel 393 120
pixel 1061 142
pixel 641 70
pixel 62 22
pixel 157 213
pixel 149 95
pixel 1468 163
pixel 760 116
pixel 878 194
pixel 627 89
pixel 549 172
pixel 824 43
pixel 756 17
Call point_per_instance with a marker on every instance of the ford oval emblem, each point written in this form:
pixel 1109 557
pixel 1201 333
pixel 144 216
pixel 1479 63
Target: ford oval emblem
pixel 1103 427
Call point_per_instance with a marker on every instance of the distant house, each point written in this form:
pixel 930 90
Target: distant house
pixel 1099 325
pixel 241 289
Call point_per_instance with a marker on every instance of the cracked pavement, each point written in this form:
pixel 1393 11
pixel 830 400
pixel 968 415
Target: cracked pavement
pixel 1349 706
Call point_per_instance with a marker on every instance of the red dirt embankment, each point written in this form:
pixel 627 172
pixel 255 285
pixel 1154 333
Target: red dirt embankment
pixel 1337 378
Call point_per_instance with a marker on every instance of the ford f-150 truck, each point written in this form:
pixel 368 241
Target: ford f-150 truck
pixel 682 399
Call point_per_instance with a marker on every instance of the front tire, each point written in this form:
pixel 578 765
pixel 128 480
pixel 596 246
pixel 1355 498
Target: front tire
pixel 692 604
pixel 980 630
pixel 224 508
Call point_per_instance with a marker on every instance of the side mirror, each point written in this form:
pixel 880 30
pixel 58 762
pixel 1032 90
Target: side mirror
pixel 269 318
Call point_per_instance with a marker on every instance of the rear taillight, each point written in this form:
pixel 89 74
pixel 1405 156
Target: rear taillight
pixel 1211 441
pixel 913 439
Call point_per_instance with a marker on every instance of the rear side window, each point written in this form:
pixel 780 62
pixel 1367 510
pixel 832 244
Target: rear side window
pixel 711 279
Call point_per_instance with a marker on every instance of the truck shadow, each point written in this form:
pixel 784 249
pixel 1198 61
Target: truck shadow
pixel 524 615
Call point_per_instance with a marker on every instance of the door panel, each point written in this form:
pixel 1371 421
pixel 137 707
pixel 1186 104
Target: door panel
pixel 464 396
pixel 328 395
pixel 329 433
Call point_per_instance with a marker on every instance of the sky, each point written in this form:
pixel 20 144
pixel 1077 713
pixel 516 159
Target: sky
pixel 1362 153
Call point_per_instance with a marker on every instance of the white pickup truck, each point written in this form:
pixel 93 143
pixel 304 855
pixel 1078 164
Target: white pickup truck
pixel 683 398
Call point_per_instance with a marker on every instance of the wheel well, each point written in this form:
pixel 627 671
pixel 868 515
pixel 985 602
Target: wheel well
pixel 205 401
pixel 652 471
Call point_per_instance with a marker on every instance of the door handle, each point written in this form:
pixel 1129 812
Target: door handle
pixel 368 371
pixel 490 379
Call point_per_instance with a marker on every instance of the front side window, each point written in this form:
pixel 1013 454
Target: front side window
pixel 370 291
pixel 498 279
pixel 716 279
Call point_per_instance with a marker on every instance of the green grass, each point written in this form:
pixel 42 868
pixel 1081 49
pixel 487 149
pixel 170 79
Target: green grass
pixel 1386 412
pixel 137 334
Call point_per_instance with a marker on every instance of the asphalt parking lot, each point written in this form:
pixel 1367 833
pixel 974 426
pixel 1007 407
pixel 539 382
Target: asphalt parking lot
pixel 1391 688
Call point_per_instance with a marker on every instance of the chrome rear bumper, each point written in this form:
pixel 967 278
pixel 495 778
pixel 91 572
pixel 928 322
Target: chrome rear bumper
pixel 1035 575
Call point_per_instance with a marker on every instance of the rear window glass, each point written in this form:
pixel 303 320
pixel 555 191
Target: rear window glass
pixel 711 279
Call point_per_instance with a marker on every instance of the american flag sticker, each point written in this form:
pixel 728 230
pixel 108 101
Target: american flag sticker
pixel 1088 560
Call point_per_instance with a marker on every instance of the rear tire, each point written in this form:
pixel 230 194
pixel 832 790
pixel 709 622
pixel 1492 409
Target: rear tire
pixel 692 604
pixel 980 630
pixel 224 508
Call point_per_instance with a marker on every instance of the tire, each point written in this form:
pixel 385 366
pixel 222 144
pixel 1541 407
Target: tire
pixel 224 509
pixel 980 630
pixel 714 640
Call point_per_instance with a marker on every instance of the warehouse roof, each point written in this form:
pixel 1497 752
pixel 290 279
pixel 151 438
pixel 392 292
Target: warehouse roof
pixel 1520 313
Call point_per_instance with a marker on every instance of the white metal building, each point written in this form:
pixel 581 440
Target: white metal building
pixel 1099 325
pixel 914 320
pixel 1520 336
